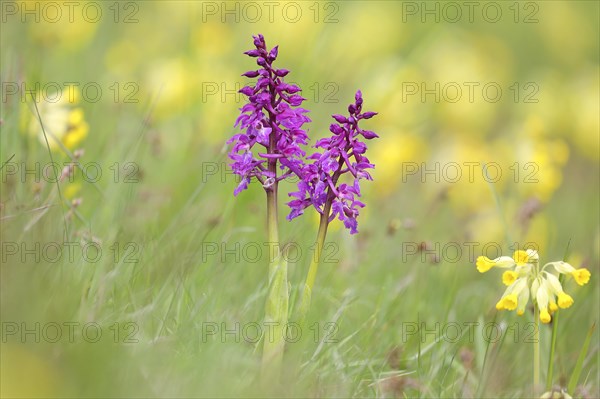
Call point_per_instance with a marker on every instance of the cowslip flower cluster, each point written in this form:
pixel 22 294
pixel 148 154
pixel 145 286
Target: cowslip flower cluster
pixel 272 119
pixel 64 121
pixel 343 153
pixel 526 280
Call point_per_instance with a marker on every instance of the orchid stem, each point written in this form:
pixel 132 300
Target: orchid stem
pixel 272 227
pixel 276 307
pixel 314 264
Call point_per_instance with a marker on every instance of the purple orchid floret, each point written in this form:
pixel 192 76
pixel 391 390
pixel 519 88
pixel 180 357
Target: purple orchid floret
pixel 272 119
pixel 343 153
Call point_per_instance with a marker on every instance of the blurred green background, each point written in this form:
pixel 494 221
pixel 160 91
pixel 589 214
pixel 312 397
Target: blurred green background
pixel 147 99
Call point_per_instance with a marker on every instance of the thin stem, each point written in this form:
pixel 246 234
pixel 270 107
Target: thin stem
pixel 314 263
pixel 60 196
pixel 272 228
pixel 321 234
pixel 276 306
pixel 536 351
pixel 536 342
pixel 552 349
pixel 550 375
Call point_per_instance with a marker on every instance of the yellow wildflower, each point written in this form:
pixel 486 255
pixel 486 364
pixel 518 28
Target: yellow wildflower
pixel 543 300
pixel 522 302
pixel 555 288
pixel 510 299
pixel 64 122
pixel 523 258
pixel 527 278
pixel 509 277
pixel 581 276
pixel 484 263
pixel 545 316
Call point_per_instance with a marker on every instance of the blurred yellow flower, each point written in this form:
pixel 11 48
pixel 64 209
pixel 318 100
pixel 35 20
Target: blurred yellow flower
pixel 585 104
pixel 19 365
pixel 122 58
pixel 212 39
pixel 63 121
pixel 539 163
pixel 390 158
pixel 71 190
pixel 173 82
pixel 459 166
pixel 64 27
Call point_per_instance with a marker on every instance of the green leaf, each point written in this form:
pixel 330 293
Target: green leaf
pixel 276 316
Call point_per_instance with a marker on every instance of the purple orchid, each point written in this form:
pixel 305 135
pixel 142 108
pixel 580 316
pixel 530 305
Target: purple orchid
pixel 272 119
pixel 343 153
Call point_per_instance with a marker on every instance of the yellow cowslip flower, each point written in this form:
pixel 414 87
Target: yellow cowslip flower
pixel 545 316
pixel 528 279
pixel 64 122
pixel 484 263
pixel 509 277
pixel 581 276
pixel 508 302
pixel 510 299
pixel 521 259
pixel 542 299
pixel 555 288
pixel 522 301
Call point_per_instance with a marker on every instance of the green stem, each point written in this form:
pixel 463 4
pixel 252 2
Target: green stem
pixel 536 351
pixel 314 263
pixel 323 223
pixel 550 375
pixel 552 350
pixel 276 307
pixel 272 229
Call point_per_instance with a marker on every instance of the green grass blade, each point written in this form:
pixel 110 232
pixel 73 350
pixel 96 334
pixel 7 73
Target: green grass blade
pixel 7 161
pixel 60 196
pixel 482 377
pixel 579 365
